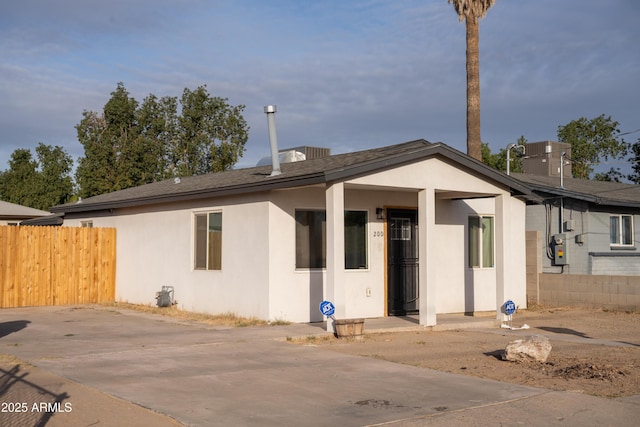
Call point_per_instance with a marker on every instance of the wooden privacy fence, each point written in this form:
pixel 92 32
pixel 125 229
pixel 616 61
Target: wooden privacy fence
pixel 56 265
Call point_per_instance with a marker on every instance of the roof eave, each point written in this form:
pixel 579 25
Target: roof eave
pixel 601 201
pixel 432 150
pixel 52 219
pixel 517 188
pixel 281 182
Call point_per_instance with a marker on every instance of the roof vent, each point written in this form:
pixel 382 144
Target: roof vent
pixel 176 180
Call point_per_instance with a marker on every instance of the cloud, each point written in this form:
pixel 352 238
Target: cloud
pixel 348 75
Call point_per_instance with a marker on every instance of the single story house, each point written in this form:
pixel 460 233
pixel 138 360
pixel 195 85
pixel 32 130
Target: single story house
pixel 13 214
pixel 409 228
pixel 595 220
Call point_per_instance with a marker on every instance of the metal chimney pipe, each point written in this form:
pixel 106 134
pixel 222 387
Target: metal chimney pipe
pixel 509 147
pixel 562 169
pixel 270 110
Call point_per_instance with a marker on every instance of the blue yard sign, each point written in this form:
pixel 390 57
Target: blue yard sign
pixel 509 307
pixel 327 308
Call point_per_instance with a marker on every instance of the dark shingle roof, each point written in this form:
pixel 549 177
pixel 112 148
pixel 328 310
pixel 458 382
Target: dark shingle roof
pixel 315 171
pixel 50 219
pixel 598 192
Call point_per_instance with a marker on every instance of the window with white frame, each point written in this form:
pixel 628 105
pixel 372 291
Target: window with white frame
pixel 481 242
pixel 208 241
pixel 621 230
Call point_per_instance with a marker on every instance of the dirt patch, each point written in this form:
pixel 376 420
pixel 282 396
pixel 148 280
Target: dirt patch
pixel 594 352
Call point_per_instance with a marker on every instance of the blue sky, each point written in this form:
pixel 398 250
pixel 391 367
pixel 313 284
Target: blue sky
pixel 347 75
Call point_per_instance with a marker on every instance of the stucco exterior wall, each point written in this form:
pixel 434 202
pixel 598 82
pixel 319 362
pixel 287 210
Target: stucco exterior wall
pixel 155 249
pixel 517 255
pixel 460 289
pixel 292 293
pixel 297 293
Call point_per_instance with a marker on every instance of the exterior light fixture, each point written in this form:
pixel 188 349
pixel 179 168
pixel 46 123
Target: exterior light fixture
pixel 380 213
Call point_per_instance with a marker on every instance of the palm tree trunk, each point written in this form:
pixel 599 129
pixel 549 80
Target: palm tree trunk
pixel 473 89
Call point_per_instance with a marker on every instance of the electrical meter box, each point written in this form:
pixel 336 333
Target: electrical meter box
pixel 560 249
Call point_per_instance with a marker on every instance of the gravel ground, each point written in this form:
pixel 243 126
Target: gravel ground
pixel 593 351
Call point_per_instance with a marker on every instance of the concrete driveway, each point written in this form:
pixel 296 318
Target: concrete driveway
pixel 208 376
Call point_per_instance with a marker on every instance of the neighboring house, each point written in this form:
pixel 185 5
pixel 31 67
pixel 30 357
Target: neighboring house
pixel 597 222
pixel 12 214
pixel 410 228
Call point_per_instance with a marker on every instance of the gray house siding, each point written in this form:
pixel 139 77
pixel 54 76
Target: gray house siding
pixel 588 249
pixel 617 265
pixel 605 259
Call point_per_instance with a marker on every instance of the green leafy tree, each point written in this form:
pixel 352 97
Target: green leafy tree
pixel 613 174
pixel 109 151
pixel 19 183
pixel 471 11
pixel 40 183
pixel 591 142
pixel 158 132
pixel 93 174
pixel 488 158
pixel 212 134
pixel 132 144
pixel 635 162
pixel 56 184
pixel 499 160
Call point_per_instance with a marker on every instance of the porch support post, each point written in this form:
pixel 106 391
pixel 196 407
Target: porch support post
pixel 502 236
pixel 335 291
pixel 426 253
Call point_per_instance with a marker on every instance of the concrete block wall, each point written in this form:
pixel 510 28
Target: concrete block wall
pixel 534 265
pixel 609 292
pixel 616 293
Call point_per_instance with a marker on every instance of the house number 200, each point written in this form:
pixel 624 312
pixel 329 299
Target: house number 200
pixel 378 233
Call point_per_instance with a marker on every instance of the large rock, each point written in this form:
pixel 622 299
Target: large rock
pixel 533 348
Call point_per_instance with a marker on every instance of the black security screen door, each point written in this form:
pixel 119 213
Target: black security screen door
pixel 402 261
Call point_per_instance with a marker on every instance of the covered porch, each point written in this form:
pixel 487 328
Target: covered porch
pixel 445 281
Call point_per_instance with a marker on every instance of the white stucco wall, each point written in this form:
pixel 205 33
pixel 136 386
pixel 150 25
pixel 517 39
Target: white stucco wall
pixel 516 257
pixel 465 289
pixel 155 249
pixel 365 289
pixel 292 293
pixel 459 288
pixel 258 276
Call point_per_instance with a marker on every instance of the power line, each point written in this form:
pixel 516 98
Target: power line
pixel 628 133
